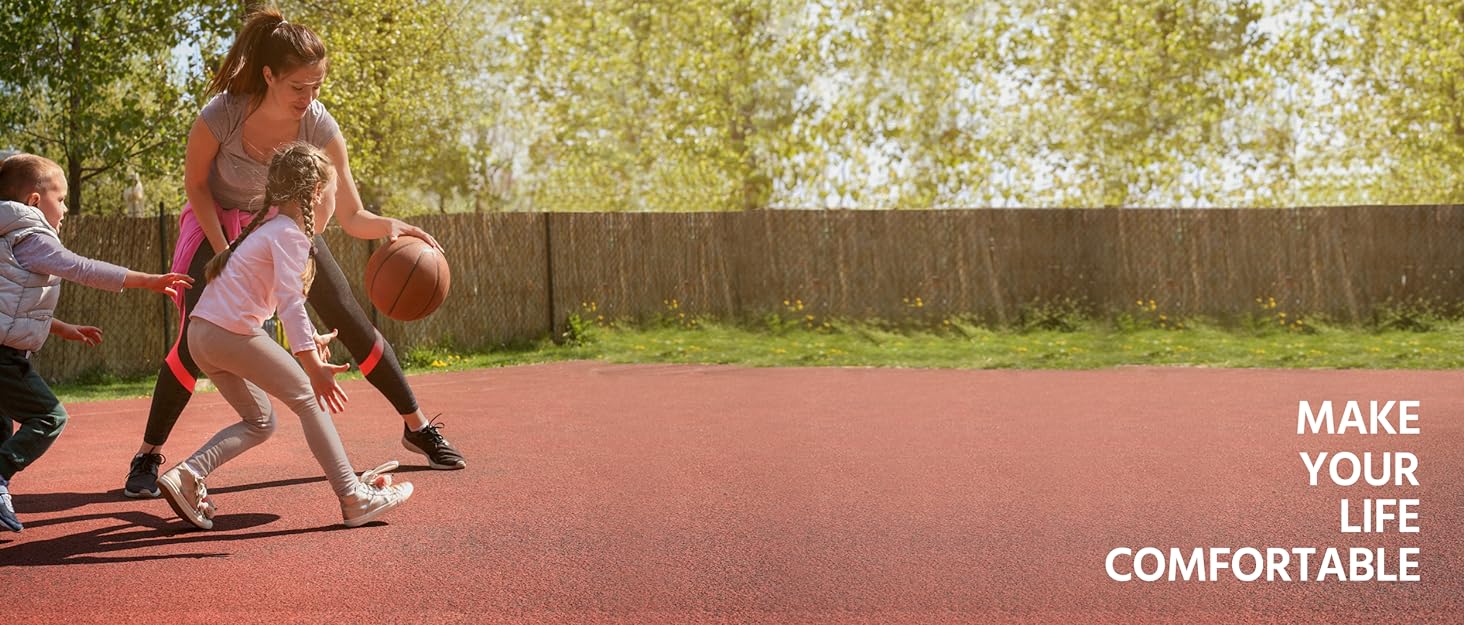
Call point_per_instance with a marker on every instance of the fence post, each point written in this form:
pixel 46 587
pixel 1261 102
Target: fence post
pixel 554 333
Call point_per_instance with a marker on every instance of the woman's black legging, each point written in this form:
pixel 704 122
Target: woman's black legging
pixel 330 296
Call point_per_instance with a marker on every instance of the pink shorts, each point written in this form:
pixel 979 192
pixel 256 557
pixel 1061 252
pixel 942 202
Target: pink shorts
pixel 190 234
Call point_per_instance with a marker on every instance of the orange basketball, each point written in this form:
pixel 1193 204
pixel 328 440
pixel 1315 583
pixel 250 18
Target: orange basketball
pixel 407 279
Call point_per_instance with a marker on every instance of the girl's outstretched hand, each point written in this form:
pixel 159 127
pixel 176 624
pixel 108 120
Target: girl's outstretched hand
pixel 328 393
pixel 322 344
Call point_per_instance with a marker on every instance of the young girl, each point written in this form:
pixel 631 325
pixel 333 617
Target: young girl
pixel 269 268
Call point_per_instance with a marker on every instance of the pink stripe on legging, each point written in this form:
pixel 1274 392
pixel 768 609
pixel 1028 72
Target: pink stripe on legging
pixel 175 364
pixel 374 357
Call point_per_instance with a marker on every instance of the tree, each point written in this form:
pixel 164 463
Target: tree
pixel 1129 96
pixel 401 85
pixel 95 86
pixel 633 105
pixel 889 112
pixel 1398 71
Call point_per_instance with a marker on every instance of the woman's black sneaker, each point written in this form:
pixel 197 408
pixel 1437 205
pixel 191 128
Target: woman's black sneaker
pixel 429 442
pixel 142 478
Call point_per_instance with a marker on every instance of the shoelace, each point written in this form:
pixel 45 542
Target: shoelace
pixel 431 430
pixel 140 463
pixel 205 505
pixel 378 478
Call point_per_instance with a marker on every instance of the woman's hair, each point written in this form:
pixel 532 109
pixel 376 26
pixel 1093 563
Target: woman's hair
pixel 296 174
pixel 267 40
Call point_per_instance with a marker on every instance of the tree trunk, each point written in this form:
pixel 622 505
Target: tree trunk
pixel 754 192
pixel 73 112
pixel 73 184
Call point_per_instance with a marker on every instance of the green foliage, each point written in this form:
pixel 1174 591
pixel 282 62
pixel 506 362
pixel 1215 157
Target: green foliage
pixel 1399 65
pixel 1137 92
pixel 630 105
pixel 1057 315
pixel 1415 315
pixel 401 85
pixel 792 317
pixel 96 87
pixel 748 104
pixel 582 325
pixel 1146 314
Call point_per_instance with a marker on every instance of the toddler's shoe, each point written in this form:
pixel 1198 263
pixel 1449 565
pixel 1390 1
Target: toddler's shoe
pixel 188 496
pixel 7 510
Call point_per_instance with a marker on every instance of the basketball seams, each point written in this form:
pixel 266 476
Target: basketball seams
pixel 406 280
pixel 372 273
pixel 394 282
pixel 439 294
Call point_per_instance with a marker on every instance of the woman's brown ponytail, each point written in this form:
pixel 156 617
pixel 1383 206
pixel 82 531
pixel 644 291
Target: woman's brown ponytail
pixel 266 40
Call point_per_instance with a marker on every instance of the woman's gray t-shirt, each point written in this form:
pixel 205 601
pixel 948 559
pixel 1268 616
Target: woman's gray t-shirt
pixel 236 180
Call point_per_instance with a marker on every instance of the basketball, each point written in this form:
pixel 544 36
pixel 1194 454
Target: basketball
pixel 407 279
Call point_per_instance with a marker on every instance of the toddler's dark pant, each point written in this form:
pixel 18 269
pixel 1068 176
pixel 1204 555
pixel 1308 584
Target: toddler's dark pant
pixel 27 400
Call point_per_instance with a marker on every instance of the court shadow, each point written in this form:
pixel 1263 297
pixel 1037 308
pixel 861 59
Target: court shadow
pixel 41 503
pixel 60 502
pixel 295 481
pixel 141 531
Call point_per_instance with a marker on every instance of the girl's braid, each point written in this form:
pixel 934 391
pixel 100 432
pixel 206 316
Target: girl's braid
pixel 307 214
pixel 215 265
pixel 295 174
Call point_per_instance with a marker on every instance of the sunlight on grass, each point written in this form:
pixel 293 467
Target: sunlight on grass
pixel 954 344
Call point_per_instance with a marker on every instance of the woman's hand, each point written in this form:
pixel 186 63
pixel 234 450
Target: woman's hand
pixel 401 228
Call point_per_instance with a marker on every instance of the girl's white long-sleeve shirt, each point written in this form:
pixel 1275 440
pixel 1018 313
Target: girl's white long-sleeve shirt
pixel 264 276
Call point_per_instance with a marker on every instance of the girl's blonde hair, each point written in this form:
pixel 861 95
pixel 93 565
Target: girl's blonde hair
pixel 296 173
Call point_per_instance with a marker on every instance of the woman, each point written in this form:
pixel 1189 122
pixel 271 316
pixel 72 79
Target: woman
pixel 265 97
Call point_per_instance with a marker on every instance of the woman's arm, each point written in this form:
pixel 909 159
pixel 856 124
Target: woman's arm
pixel 354 218
pixel 199 158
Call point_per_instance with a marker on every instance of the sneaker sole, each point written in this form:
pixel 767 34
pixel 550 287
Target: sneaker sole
pixel 143 494
pixel 430 462
pixel 374 514
pixel 175 500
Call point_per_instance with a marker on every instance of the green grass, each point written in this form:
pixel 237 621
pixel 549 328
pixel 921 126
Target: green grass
pixel 953 344
pixel 960 345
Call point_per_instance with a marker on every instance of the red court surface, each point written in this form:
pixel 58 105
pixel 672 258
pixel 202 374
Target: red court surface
pixel 700 494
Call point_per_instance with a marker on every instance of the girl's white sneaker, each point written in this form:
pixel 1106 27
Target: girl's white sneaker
pixel 188 496
pixel 367 502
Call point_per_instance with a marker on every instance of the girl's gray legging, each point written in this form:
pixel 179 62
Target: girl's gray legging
pixel 246 370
